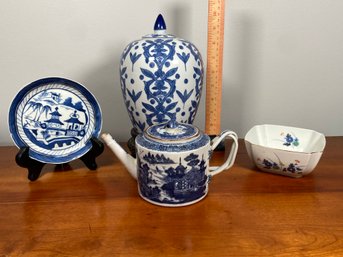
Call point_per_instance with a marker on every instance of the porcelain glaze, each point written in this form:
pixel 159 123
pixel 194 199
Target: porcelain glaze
pixel 172 166
pixel 161 76
pixel 55 118
pixel 173 178
pixel 284 150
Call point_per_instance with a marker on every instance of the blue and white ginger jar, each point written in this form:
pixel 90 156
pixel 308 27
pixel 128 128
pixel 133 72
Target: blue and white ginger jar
pixel 161 76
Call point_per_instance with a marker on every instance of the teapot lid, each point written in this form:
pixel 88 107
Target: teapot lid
pixel 172 132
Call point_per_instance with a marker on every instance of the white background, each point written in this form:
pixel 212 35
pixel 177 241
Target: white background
pixel 283 59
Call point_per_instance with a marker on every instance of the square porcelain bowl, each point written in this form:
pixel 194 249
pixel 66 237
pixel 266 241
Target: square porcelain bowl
pixel 283 150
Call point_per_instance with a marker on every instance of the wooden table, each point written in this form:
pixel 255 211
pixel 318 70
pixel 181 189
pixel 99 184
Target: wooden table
pixel 99 213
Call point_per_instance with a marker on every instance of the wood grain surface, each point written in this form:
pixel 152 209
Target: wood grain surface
pixel 77 212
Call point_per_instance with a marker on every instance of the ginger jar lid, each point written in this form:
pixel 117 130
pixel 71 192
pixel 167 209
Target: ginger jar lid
pixel 160 29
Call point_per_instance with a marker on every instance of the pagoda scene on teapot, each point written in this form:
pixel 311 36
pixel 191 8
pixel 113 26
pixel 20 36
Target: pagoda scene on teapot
pixel 160 76
pixel 172 164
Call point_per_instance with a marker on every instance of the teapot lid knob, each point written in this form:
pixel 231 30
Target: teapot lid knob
pixel 172 123
pixel 160 25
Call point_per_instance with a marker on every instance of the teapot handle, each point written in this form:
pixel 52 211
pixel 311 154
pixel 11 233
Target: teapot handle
pixel 214 170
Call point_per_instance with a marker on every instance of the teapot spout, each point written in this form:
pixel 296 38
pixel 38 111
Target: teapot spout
pixel 128 161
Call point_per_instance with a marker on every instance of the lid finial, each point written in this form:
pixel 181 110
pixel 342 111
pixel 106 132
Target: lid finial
pixel 160 23
pixel 172 123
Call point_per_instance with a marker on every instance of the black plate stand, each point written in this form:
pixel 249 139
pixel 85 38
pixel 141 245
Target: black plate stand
pixel 35 167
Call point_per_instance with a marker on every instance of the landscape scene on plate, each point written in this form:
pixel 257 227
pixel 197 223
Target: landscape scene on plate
pixel 163 89
pixel 55 119
pixel 165 181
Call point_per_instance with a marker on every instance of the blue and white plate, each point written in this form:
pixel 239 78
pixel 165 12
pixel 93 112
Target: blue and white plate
pixel 55 118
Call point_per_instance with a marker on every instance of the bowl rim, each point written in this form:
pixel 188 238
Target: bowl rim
pixel 286 150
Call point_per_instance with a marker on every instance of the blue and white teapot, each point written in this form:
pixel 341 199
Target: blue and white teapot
pixel 161 76
pixel 172 165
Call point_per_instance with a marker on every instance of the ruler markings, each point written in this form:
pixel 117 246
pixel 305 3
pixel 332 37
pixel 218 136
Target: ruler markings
pixel 214 66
